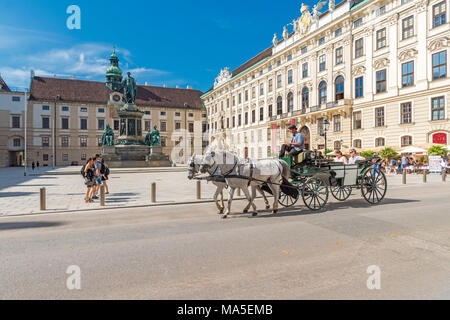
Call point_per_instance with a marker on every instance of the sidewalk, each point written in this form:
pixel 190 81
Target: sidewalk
pixel 65 189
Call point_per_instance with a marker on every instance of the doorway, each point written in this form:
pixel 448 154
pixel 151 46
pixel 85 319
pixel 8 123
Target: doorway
pixel 305 131
pixel 16 159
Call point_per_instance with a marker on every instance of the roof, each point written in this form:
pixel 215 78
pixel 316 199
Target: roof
pixel 3 86
pixel 83 91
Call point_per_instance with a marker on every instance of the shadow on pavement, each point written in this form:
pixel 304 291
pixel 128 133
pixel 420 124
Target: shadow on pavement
pixel 27 225
pixel 16 194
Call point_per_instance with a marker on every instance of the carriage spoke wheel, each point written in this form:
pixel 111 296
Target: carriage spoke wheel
pixel 374 186
pixel 315 194
pixel 286 200
pixel 341 193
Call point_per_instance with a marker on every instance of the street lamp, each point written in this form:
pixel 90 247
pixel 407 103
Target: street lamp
pixel 326 125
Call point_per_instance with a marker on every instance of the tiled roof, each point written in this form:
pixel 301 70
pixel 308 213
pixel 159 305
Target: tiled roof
pixel 3 86
pixel 82 91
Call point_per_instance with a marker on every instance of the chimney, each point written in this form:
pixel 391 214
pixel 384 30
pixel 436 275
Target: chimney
pixel 189 87
pixel 165 85
pixel 146 83
pixel 178 87
pixel 32 74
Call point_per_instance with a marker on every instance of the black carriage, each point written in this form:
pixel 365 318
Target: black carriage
pixel 316 177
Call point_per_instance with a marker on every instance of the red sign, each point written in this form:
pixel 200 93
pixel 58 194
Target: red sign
pixel 440 138
pixel 293 122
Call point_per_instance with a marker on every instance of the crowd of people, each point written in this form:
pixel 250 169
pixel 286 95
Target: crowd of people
pixel 95 173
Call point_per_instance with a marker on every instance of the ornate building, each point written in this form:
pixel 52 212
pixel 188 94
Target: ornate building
pixel 375 70
pixel 67 117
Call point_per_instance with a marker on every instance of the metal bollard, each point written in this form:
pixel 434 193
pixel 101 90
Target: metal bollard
pixel 102 196
pixel 43 200
pixel 444 176
pixel 153 195
pixel 404 176
pixel 199 190
pixel 424 176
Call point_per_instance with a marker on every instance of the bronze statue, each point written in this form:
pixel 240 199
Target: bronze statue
pixel 156 141
pixel 129 89
pixel 108 137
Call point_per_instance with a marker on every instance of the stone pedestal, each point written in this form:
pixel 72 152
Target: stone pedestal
pixel 157 158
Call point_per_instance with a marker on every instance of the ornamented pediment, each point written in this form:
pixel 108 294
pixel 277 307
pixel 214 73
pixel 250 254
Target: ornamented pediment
pixel 223 77
pixel 407 54
pixel 438 44
pixel 358 70
pixel 421 6
pixel 380 63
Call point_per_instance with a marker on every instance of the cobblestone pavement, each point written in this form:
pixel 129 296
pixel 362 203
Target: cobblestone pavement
pixel 130 187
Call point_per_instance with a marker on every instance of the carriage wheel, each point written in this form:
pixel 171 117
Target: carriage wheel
pixel 341 193
pixel 374 186
pixel 315 194
pixel 286 200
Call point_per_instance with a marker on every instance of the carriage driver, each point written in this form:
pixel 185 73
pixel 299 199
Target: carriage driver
pixel 296 145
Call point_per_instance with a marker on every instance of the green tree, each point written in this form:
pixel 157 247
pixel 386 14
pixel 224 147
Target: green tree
pixel 389 153
pixel 367 154
pixel 437 150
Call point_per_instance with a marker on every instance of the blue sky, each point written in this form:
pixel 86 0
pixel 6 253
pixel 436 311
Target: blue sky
pixel 161 42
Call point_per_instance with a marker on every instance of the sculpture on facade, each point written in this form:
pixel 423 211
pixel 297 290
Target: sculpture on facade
pixel 129 89
pixel 304 20
pixel 285 33
pixel 316 12
pixel 153 138
pixel 275 40
pixel 223 77
pixel 108 136
pixel 331 5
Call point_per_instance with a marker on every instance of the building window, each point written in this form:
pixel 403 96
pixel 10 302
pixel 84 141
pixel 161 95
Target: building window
pixel 83 109
pixel 45 123
pixel 65 123
pixel 253 116
pixel 337 123
pixel 83 142
pixel 304 50
pixel 16 122
pixel 261 89
pixel 191 127
pixel 46 108
pixel 381 81
pixel 290 76
pixel 64 108
pixel 381 38
pixel 440 65
pixel 279 105
pixel 437 109
pixel 305 97
pixel 357 23
pixel 148 125
pixel 337 145
pixel 116 124
pixel 163 113
pixel 405 113
pixel 439 14
pixel 16 99
pixel 269 68
pixel 339 55
pixel 407 27
pixel 101 124
pixel 246 95
pixel 234 121
pixel 339 84
pixel 379 142
pixel 239 120
pixel 270 111
pixel 240 98
pixel 45 141
pixel 408 74
pixel 305 70
pixel 99 141
pixel 147 112
pixel 357 120
pixel 323 92
pixel 290 99
pixel 64 142
pixel 65 157
pixel 359 48
pixel 338 32
pixel 246 118
pixel 381 10
pixel 379 117
pixel 16 142
pixel 279 81
pixel 270 85
pixel 261 114
pixel 163 141
pixel 406 141
pixel 359 87
pixel 101 110
pixel 357 143
pixel 289 57
pixel 322 62
pixel 83 156
pixel 83 124
pixel 45 157
pixel 278 63
pixel 163 126
pixel 321 41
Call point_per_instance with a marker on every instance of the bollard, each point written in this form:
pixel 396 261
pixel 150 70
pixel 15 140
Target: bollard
pixel 404 176
pixel 424 176
pixel 238 192
pixel 153 192
pixel 444 176
pixel 199 190
pixel 102 196
pixel 43 204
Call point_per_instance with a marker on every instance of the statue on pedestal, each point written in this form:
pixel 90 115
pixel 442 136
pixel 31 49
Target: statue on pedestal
pixel 152 138
pixel 129 89
pixel 108 137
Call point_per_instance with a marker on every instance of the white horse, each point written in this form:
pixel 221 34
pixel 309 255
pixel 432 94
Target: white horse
pixel 216 178
pixel 241 174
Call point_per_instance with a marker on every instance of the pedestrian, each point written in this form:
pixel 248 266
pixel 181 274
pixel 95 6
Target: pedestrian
pixel 97 163
pixel 105 173
pixel 32 166
pixel 404 162
pixel 392 166
pixel 354 157
pixel 87 172
pixel 37 166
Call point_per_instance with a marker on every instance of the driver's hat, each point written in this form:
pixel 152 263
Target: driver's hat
pixel 292 126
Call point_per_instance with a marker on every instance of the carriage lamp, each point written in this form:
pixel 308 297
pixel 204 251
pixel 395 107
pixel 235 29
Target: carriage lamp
pixel 326 125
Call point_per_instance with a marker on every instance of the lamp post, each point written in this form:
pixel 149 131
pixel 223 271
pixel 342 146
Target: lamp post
pixel 25 133
pixel 326 125
pixel 57 98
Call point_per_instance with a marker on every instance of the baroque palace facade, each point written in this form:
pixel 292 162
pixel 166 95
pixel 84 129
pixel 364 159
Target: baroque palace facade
pixel 66 119
pixel 375 70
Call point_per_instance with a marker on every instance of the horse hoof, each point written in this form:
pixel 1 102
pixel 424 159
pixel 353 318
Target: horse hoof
pixel 254 214
pixel 224 216
pixel 267 207
pixel 275 211
pixel 245 211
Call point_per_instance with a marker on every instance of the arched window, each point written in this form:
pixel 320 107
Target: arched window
pixel 279 105
pixel 406 141
pixel 323 92
pixel 379 142
pixel 290 99
pixel 305 97
pixel 337 145
pixel 339 83
pixel 357 143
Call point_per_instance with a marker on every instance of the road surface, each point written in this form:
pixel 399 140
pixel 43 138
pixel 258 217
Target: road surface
pixel 187 252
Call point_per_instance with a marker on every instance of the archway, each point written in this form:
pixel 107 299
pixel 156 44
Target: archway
pixel 306 133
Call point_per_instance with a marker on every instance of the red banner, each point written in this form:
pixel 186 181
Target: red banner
pixel 440 138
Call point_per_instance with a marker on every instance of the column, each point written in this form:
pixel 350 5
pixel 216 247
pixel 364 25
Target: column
pixel 392 34
pixel 421 32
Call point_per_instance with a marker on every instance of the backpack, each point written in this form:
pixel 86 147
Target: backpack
pixel 82 170
pixel 103 169
pixel 106 170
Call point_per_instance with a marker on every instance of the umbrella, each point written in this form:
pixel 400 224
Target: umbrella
pixel 332 153
pixel 448 148
pixel 413 150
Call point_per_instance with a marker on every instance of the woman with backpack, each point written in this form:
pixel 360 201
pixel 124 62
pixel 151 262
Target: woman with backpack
pixel 105 173
pixel 88 174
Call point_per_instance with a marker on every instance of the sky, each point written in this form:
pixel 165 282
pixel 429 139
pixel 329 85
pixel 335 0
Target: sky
pixel 173 43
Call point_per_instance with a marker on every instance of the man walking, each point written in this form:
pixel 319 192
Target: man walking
pixel 296 145
pixel 98 174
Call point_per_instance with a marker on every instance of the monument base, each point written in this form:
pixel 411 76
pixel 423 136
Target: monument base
pixel 135 156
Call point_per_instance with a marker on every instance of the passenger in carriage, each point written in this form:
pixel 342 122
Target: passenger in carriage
pixel 354 157
pixel 297 144
pixel 340 157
